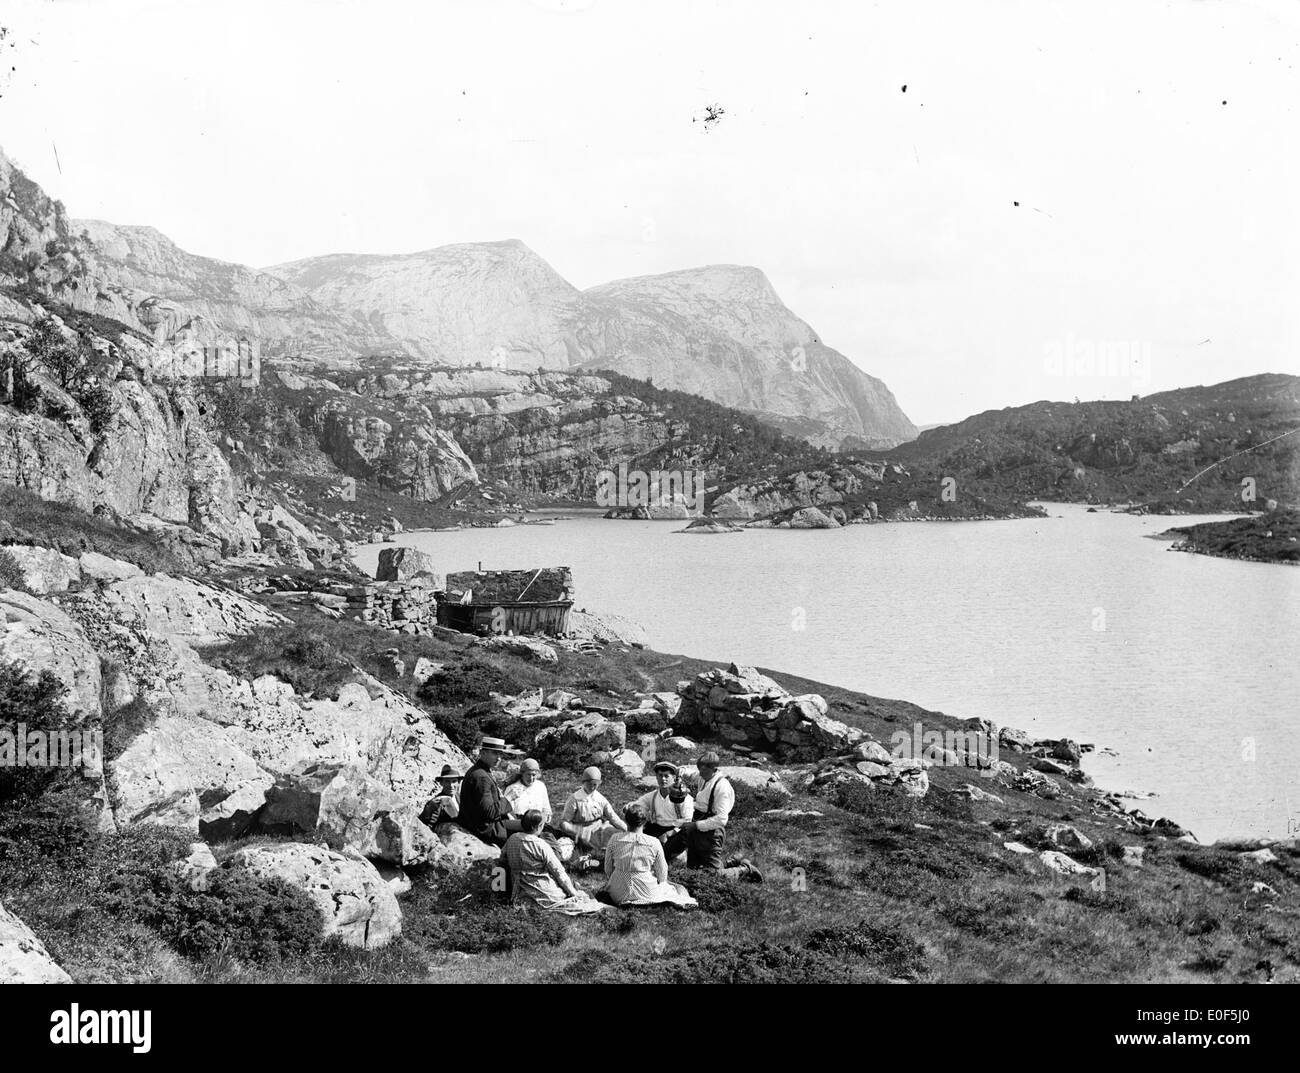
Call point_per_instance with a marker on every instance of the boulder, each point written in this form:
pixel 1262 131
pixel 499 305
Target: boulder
pixel 1065 865
pixel 23 957
pixel 44 638
pixel 1017 847
pixel 462 847
pixel 403 564
pixel 1133 856
pixel 812 518
pixel 529 647
pixel 756 778
pixel 97 567
pixel 194 869
pixel 355 902
pixel 343 806
pixel 629 762
pixel 1067 837
pixel 872 751
pixel 560 699
pixel 588 733
pixel 184 771
pixel 425 669
pixel 45 570
pixel 398 881
pixel 1014 739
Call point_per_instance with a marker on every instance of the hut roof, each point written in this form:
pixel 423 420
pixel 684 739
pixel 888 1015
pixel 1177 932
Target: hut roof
pixel 548 585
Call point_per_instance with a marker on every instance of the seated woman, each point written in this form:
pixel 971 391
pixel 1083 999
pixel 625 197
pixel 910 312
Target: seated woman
pixel 588 817
pixel 637 869
pixel 537 875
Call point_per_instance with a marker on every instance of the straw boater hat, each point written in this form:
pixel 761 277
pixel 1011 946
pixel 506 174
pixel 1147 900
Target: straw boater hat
pixel 498 745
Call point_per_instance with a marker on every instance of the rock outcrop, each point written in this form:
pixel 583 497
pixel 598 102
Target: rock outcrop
pixel 23 957
pixel 345 807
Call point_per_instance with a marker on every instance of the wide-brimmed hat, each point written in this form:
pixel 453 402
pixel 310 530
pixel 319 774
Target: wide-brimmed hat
pixel 449 774
pixel 711 758
pixel 667 765
pixel 498 745
pixel 530 765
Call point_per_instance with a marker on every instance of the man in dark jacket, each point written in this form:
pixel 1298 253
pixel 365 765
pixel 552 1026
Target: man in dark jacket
pixel 482 808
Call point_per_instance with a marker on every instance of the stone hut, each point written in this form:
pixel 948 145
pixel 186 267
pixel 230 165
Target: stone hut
pixel 508 601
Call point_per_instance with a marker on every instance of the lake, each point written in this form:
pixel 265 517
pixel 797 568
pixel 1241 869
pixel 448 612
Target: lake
pixel 1070 626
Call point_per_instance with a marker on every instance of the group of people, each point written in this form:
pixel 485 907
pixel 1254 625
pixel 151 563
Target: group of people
pixel 633 847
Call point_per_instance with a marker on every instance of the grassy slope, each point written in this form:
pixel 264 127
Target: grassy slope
pixel 893 889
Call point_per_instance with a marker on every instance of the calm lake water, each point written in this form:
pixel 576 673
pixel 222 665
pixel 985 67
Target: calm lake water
pixel 1185 666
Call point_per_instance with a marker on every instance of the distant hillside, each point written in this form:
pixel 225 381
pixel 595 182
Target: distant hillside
pixel 1177 451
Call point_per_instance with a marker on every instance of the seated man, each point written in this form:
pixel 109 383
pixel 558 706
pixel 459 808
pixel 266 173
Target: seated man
pixel 536 874
pixel 668 807
pixel 445 804
pixel 528 793
pixel 704 836
pixel 482 808
pixel 589 818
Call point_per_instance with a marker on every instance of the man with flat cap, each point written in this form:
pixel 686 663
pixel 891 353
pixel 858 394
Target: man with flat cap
pixel 704 836
pixel 483 810
pixel 668 807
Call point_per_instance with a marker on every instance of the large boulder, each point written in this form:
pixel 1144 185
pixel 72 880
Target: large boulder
pixel 528 647
pixel 41 636
pixel 184 771
pixel 23 957
pixel 356 903
pixel 45 570
pixel 97 567
pixel 756 778
pixel 588 733
pixel 343 806
pixel 402 564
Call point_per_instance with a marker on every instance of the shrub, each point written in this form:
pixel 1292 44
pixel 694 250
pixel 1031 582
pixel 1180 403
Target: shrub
pixel 43 810
pixel 489 930
pixel 897 955
pixel 306 658
pixel 466 681
pixel 746 963
pixel 718 894
pixel 11 574
pixel 238 915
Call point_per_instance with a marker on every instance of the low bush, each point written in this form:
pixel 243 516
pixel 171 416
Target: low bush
pixel 44 810
pixel 488 930
pixel 238 915
pixel 893 954
pixel 745 963
pixel 11 574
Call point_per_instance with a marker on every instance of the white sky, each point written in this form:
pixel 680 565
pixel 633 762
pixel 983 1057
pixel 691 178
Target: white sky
pixel 1150 214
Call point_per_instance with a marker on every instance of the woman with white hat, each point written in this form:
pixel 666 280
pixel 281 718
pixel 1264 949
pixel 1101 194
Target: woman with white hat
pixel 589 817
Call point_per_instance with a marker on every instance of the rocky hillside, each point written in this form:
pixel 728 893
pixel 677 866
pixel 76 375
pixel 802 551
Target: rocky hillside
pixel 720 332
pixel 1177 451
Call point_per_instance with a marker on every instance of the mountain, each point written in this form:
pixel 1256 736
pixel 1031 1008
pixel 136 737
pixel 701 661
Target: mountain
pixel 1185 450
pixel 722 332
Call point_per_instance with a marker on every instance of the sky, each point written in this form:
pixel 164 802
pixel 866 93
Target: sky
pixel 1084 199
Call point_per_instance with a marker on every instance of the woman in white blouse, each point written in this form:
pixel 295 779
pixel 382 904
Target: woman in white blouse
pixel 636 869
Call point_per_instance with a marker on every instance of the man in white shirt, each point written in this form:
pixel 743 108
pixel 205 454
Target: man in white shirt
pixel 704 836
pixel 668 807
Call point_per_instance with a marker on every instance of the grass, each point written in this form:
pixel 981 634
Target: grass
pixel 26 518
